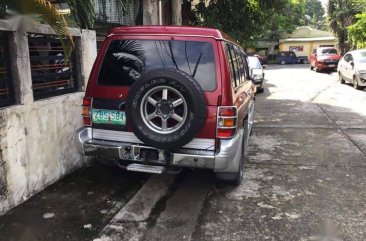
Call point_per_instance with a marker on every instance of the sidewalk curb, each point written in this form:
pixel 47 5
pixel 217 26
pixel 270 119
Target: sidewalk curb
pixel 130 222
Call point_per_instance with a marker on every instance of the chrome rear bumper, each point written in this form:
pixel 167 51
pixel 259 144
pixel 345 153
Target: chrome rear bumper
pixel 223 159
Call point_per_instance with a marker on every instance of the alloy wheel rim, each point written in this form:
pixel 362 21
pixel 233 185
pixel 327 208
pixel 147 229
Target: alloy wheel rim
pixel 163 109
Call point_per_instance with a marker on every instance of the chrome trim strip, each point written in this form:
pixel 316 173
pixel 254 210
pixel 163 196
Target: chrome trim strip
pixel 124 136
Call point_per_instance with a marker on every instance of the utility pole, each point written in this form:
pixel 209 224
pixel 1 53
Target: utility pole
pixel 176 12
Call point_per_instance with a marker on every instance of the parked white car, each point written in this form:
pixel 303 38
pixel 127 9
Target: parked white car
pixel 352 68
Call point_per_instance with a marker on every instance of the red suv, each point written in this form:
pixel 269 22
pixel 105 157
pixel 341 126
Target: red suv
pixel 324 58
pixel 163 96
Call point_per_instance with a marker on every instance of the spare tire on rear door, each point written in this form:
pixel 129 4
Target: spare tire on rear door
pixel 166 108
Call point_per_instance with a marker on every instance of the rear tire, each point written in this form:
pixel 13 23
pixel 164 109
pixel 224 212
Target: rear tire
pixel 305 61
pixel 355 83
pixel 340 78
pixel 234 178
pixel 261 88
pixel 311 67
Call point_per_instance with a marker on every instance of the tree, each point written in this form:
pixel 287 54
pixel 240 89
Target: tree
pixel 315 10
pixel 341 14
pixel 248 21
pixel 82 12
pixel 357 31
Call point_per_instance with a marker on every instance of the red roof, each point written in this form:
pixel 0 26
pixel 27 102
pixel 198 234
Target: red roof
pixel 171 30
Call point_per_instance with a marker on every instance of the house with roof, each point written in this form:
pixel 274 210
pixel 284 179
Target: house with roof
pixel 304 39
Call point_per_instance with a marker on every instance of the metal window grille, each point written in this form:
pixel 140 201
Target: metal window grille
pixel 6 88
pixel 110 12
pixel 51 74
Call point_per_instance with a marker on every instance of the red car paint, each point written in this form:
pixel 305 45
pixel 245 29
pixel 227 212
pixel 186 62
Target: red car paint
pixel 324 58
pixel 224 94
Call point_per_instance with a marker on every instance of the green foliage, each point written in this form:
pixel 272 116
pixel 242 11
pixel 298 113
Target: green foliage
pixel 357 31
pixel 48 14
pixel 251 20
pixel 341 14
pixel 315 10
pixel 83 12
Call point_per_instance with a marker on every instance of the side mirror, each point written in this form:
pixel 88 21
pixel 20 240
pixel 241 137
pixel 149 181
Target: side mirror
pixel 352 63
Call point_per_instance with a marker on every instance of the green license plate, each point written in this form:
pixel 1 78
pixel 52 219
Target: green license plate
pixel 113 117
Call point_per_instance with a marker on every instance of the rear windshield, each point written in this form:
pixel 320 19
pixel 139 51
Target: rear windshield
pixel 126 60
pixel 327 51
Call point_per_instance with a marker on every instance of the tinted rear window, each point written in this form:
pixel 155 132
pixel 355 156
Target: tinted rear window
pixel 126 60
pixel 327 51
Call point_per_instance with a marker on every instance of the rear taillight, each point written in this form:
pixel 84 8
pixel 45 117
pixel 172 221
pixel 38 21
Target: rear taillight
pixel 86 112
pixel 227 122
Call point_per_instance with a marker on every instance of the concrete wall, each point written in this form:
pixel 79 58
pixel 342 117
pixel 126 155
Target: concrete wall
pixel 36 137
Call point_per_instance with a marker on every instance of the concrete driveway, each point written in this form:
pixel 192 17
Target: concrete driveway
pixel 306 167
pixel 305 174
pixel 305 177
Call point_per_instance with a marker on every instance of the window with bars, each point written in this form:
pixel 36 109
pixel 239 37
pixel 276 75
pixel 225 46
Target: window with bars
pixel 6 90
pixel 51 74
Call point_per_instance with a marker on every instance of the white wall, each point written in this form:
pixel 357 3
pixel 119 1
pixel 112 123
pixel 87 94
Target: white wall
pixel 37 137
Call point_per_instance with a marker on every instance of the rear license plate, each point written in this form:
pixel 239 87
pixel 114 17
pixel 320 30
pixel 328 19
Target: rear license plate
pixel 332 65
pixel 113 117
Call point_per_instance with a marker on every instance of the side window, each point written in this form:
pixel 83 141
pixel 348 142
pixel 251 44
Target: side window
pixel 234 64
pixel 230 62
pixel 350 58
pixel 347 58
pixel 292 55
pixel 239 65
pixel 246 67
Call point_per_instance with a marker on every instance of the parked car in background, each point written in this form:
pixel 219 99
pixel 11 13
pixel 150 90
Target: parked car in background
pixel 289 57
pixel 257 73
pixel 263 59
pixel 352 68
pixel 324 58
pixel 166 96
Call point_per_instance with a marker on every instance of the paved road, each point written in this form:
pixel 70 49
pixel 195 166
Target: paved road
pixel 306 168
pixel 305 179
pixel 305 174
pixel 74 209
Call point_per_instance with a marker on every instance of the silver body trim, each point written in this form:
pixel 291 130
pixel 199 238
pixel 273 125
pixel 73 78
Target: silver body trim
pixel 224 160
pixel 130 137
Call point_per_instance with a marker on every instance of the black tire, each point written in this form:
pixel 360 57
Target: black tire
pixel 311 67
pixel 260 89
pixel 355 83
pixel 340 78
pixel 236 178
pixel 194 104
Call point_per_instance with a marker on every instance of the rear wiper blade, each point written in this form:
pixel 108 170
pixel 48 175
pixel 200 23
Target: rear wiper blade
pixel 195 67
